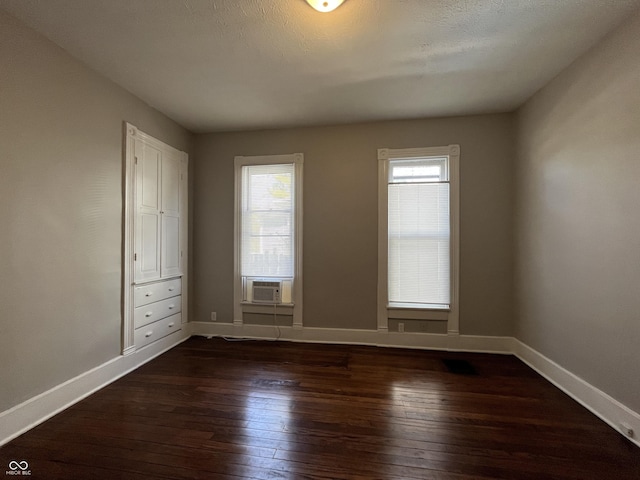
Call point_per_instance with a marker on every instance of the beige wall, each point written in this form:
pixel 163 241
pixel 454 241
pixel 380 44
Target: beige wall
pixel 60 211
pixel 576 222
pixel 340 216
pixel 578 217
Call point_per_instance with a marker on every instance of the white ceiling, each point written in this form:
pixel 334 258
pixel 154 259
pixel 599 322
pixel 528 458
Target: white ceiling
pixel 215 65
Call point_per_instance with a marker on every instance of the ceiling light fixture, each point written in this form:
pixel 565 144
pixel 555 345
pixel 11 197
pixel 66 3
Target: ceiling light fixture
pixel 325 5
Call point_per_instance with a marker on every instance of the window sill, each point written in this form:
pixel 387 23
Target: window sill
pixel 268 308
pixel 415 306
pixel 407 312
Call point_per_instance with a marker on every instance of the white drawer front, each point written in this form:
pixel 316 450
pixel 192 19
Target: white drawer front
pixel 150 333
pixel 153 312
pixel 153 292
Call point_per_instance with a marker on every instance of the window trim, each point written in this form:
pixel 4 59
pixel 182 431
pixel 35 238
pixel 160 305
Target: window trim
pixel 240 161
pixel 384 155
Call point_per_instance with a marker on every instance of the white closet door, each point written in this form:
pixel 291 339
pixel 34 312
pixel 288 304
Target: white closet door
pixel 171 210
pixel 148 221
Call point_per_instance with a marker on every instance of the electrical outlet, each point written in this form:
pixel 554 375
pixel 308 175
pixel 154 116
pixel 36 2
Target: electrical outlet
pixel 400 327
pixel 214 316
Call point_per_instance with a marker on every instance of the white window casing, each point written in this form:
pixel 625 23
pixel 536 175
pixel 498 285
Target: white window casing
pixel 418 232
pixel 268 229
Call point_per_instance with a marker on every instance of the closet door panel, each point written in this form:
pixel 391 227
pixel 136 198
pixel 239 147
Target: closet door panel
pixel 171 252
pixel 170 210
pixel 171 185
pixel 149 257
pixel 148 170
pixel 148 221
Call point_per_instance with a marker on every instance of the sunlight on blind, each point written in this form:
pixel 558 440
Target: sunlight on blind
pixel 267 221
pixel 419 232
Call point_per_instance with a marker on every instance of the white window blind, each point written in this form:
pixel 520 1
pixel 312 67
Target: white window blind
pixel 419 232
pixel 267 221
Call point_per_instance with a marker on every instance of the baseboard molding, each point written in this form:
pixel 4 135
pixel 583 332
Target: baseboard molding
pixel 607 408
pixel 429 341
pixel 25 416
pixel 596 401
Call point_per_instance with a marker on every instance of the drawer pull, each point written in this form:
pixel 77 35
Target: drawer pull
pixel 148 294
pixel 148 314
pixel 171 324
pixel 171 307
pixel 148 334
pixel 171 289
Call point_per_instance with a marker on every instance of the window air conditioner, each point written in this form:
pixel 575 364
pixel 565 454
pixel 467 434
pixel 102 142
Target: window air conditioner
pixel 267 292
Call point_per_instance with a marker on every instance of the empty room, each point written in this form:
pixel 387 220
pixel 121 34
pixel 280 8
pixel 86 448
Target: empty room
pixel 341 239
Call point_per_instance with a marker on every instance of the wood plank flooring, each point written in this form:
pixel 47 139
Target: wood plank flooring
pixel 212 409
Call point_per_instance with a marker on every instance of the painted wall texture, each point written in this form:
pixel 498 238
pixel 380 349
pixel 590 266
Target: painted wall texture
pixel 61 144
pixel 550 231
pixel 340 216
pixel 577 217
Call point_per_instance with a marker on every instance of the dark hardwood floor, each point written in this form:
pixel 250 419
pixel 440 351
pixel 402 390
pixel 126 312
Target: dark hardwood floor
pixel 212 409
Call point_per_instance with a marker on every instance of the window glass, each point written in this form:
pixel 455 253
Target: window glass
pixel 419 233
pixel 267 223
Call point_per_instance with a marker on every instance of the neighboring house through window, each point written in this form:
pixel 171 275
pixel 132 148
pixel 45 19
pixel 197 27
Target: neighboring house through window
pixel 268 233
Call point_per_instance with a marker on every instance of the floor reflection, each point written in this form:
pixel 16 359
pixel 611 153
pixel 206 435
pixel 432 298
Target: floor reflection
pixel 267 412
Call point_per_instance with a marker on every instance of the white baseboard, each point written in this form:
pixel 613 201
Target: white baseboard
pixel 599 403
pixel 25 416
pixel 430 341
pixel 22 417
pixel 596 401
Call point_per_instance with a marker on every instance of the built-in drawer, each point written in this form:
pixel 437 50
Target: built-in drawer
pixel 153 312
pixel 153 292
pixel 155 331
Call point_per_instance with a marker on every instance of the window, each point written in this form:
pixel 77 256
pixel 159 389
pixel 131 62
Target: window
pixel 418 233
pixel 268 245
pixel 418 216
pixel 267 228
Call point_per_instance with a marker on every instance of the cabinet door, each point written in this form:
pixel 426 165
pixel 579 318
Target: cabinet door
pixel 148 218
pixel 170 262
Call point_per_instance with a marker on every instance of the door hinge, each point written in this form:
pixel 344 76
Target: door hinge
pixel 135 257
pixel 136 158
